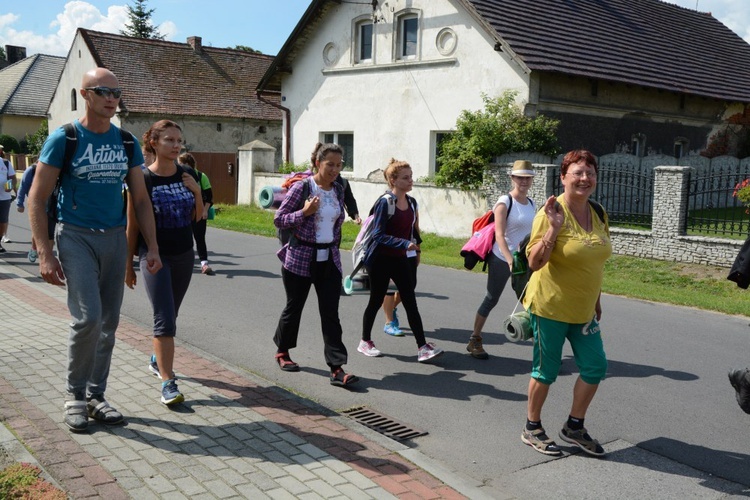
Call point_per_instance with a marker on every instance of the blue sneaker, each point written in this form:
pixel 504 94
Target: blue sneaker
pixel 170 394
pixel 395 317
pixel 393 330
pixel 153 367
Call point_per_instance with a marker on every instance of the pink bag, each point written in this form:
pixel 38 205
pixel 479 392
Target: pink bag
pixel 479 245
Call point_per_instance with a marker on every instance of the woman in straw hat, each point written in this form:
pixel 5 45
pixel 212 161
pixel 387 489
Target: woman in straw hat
pixel 513 215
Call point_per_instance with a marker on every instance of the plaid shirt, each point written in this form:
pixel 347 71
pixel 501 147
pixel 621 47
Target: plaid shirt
pixel 298 258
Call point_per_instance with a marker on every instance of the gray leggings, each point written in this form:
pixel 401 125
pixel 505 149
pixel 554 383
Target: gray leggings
pixel 167 288
pixel 498 273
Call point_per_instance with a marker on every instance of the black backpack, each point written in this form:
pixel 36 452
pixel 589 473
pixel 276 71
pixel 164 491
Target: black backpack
pixel 521 270
pixel 71 143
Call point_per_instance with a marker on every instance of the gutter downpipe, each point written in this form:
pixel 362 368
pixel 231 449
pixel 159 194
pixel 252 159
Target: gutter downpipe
pixel 287 123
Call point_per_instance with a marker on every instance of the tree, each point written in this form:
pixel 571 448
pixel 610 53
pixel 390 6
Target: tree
pixel 10 144
pixel 481 135
pixel 2 54
pixel 247 49
pixel 139 22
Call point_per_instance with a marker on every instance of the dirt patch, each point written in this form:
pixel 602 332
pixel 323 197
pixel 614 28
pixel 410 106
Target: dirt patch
pixel 701 271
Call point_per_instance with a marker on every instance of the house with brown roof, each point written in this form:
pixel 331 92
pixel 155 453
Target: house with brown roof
pixel 209 91
pixel 388 78
pixel 26 89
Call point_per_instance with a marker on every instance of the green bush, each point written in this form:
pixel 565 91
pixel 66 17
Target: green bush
pixel 481 135
pixel 10 144
pixel 35 142
pixel 288 167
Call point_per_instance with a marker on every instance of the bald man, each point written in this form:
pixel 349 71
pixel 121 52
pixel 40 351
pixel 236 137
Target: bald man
pixel 90 238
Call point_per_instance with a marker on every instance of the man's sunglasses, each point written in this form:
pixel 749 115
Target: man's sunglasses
pixel 105 91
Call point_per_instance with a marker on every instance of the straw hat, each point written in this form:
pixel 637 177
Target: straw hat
pixel 522 168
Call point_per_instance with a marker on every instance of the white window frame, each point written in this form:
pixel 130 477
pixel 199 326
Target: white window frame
pixel 357 47
pixel 399 39
pixel 335 138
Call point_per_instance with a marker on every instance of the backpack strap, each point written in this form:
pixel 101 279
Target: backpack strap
pixel 510 204
pixel 598 209
pixel 129 143
pixel 71 143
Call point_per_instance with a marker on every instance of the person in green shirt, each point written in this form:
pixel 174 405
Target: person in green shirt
pixel 199 227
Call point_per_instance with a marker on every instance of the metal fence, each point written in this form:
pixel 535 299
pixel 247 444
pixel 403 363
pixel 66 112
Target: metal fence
pixel 712 208
pixel 625 192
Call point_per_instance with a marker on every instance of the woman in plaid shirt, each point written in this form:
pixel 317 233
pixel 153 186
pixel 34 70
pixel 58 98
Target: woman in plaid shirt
pixel 312 258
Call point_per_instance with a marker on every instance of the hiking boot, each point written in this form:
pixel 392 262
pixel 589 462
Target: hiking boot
pixel 475 348
pixel 428 352
pixel 170 394
pixel 539 440
pixel 581 439
pixel 99 409
pixel 367 347
pixel 76 417
pixel 393 330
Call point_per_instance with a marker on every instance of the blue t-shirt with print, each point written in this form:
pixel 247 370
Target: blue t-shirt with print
pixel 91 186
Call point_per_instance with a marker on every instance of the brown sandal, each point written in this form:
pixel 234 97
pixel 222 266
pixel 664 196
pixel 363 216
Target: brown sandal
pixel 286 363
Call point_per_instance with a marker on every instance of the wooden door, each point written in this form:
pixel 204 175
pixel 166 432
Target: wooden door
pixel 221 169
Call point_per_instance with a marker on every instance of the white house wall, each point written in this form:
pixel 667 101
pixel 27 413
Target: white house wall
pixel 79 61
pixel 393 107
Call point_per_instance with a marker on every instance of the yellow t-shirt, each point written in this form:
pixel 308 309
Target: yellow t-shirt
pixel 567 287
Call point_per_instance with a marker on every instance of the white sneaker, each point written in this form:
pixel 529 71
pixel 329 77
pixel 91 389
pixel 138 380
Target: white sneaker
pixel 6 239
pixel 367 347
pixel 428 351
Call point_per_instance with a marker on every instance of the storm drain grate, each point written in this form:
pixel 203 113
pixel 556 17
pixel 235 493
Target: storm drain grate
pixel 383 424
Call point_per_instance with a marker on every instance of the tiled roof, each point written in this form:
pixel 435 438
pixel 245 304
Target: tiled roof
pixel 641 42
pixel 27 86
pixel 159 77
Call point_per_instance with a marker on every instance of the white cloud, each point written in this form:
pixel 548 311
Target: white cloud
pixel 76 14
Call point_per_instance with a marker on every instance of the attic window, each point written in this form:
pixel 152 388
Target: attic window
pixel 364 31
pixel 73 100
pixel 407 36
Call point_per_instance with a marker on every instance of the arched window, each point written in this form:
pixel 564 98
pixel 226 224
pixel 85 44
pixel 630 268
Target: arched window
pixel 407 36
pixel 638 145
pixel 364 41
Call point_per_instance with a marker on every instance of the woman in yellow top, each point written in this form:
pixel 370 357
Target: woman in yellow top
pixel 568 247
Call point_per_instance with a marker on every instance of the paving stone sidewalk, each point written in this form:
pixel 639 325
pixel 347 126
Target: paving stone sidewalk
pixel 235 436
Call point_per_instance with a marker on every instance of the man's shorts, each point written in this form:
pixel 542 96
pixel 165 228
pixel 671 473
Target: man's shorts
pixel 4 211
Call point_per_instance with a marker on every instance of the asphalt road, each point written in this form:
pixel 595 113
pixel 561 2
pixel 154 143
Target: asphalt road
pixel 666 413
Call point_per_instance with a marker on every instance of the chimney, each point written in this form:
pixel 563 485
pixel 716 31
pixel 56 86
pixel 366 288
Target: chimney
pixel 195 43
pixel 14 53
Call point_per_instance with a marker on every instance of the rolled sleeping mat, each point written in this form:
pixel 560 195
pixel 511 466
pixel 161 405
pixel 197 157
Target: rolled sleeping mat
pixel 359 284
pixel 271 196
pixel 517 327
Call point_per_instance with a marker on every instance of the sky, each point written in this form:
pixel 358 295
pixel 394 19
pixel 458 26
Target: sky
pixel 48 26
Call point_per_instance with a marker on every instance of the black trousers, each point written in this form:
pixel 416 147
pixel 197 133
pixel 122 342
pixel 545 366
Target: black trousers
pixel 327 281
pixel 199 233
pixel 401 271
